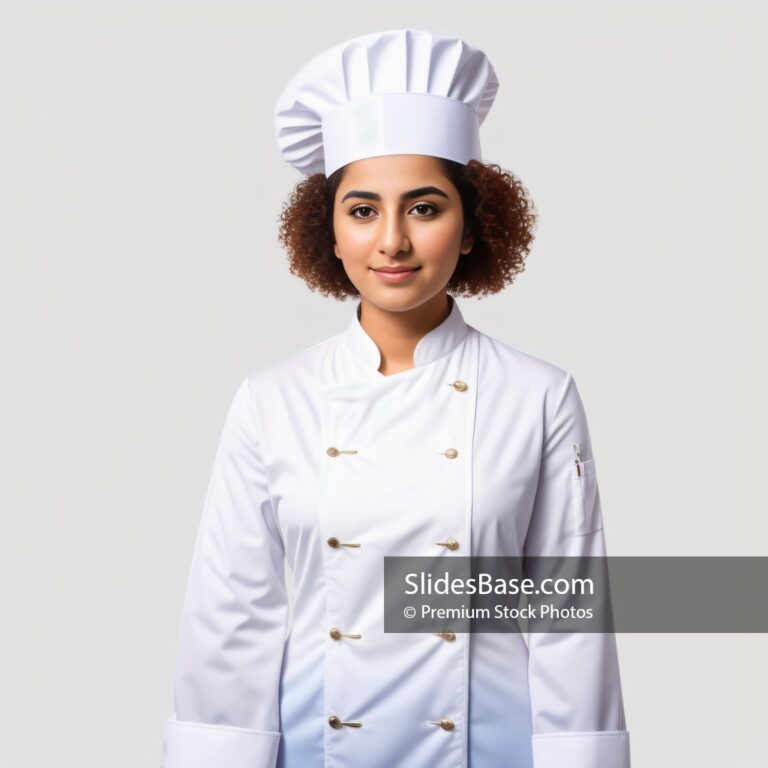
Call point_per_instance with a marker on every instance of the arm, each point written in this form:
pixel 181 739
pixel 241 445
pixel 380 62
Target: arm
pixel 575 689
pixel 234 616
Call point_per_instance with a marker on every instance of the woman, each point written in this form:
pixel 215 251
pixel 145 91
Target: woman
pixel 410 433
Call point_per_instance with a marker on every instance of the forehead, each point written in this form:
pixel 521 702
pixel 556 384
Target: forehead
pixel 392 171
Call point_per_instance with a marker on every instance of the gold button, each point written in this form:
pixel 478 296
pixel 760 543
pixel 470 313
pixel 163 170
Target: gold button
pixel 459 386
pixel 335 722
pixel 445 635
pixel 336 633
pixel 336 451
pixel 451 453
pixel 445 724
pixel 451 544
pixel 335 543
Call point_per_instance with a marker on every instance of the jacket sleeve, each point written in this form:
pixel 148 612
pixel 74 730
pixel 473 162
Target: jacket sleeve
pixel 234 616
pixel 575 688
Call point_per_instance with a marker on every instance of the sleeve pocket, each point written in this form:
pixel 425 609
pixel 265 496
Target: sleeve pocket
pixel 587 512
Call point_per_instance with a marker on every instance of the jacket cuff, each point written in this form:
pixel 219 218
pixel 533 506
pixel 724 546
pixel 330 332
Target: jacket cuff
pixel 581 749
pixel 203 745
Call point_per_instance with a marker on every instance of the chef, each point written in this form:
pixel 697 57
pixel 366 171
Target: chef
pixel 337 457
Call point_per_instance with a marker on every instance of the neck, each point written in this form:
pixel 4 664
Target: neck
pixel 396 333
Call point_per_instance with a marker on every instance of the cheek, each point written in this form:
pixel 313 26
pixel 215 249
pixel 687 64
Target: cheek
pixel 439 240
pixel 350 237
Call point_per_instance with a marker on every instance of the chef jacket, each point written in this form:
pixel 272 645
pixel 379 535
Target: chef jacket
pixel 328 463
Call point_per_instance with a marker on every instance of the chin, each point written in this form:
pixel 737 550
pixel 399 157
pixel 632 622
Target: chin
pixel 397 300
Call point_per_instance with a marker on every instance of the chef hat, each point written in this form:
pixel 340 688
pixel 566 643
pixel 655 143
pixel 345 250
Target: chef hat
pixel 402 91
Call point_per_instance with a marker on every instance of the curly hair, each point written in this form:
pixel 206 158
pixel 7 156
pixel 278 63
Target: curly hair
pixel 497 211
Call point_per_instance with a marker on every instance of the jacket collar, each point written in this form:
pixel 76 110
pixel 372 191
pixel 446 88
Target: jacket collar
pixel 434 344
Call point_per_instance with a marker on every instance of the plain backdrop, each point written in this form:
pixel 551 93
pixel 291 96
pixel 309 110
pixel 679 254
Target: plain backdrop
pixel 142 280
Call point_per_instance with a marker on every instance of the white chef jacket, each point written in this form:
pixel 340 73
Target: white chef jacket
pixel 328 463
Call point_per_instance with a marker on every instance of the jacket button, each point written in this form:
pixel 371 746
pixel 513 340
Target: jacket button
pixel 336 451
pixel 451 453
pixel 335 722
pixel 337 634
pixel 459 386
pixel 445 635
pixel 445 724
pixel 451 544
pixel 335 543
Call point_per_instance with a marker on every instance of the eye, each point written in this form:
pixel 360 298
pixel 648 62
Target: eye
pixel 354 211
pixel 430 210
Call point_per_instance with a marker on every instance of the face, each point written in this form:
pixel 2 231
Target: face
pixel 396 212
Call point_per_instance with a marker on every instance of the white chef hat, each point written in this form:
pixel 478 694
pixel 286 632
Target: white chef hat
pixel 402 91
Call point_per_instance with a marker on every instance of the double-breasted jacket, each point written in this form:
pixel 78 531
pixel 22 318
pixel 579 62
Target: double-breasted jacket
pixel 330 465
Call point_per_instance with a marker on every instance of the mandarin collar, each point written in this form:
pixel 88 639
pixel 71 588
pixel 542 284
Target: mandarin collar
pixel 436 343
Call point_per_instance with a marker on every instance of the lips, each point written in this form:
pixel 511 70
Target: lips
pixel 395 274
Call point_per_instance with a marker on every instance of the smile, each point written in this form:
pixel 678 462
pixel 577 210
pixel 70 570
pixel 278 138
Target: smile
pixel 396 277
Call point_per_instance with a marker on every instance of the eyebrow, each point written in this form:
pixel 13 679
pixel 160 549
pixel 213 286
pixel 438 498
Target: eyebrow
pixel 405 196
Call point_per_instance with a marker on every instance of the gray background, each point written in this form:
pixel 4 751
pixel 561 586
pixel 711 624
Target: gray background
pixel 142 280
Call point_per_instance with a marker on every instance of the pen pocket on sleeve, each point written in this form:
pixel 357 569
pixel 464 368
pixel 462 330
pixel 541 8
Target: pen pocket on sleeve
pixel 586 497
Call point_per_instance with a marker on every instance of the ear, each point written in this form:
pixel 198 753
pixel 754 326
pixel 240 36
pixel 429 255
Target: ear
pixel 336 250
pixel 467 243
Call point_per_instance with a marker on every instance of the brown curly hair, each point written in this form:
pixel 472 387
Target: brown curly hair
pixel 497 211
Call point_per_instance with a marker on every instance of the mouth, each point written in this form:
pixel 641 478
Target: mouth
pixel 395 274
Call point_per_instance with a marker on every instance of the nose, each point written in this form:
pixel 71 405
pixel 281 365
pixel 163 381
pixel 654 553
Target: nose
pixel 393 237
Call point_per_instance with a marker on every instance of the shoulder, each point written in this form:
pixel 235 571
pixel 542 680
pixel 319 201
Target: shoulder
pixel 497 357
pixel 301 371
pixel 283 384
pixel 533 382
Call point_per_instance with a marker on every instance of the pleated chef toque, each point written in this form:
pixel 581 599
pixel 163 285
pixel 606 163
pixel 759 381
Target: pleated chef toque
pixel 402 91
